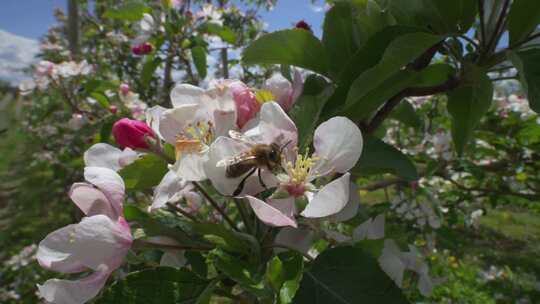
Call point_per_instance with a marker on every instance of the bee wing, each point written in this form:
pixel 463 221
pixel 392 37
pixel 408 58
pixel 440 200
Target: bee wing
pixel 241 137
pixel 234 160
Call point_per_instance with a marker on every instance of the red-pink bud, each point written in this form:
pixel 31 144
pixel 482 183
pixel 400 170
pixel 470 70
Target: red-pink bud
pixel 130 133
pixel 303 25
pixel 113 109
pixel 142 49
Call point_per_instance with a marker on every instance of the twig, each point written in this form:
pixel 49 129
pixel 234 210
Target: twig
pixel 243 214
pixel 482 23
pixel 498 27
pixel 215 205
pixel 184 213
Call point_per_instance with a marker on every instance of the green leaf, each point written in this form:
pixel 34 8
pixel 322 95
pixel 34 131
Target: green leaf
pixel 380 157
pixel 523 19
pixel 161 285
pixel 347 275
pixel 467 104
pixel 224 238
pixel 206 295
pixel 224 32
pixel 406 114
pixel 284 273
pixel 144 173
pixel 197 262
pixel 308 108
pixel 371 19
pixel 293 47
pixel 338 37
pixel 399 53
pixel 430 76
pixel 150 66
pixel 199 58
pixel 101 99
pixel 244 274
pixel 129 11
pixel 528 64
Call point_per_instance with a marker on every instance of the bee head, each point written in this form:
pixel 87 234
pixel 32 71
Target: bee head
pixel 274 155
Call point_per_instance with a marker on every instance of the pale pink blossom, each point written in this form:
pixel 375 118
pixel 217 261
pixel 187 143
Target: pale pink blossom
pixel 284 92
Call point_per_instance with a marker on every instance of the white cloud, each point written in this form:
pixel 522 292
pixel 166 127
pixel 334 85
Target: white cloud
pixel 319 8
pixel 16 54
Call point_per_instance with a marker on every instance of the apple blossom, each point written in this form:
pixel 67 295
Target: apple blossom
pixel 197 118
pixel 132 134
pixel 98 243
pixel 144 48
pixel 246 102
pixel 107 156
pixel 274 126
pixel 173 189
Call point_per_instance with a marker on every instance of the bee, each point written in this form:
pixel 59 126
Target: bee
pixel 260 156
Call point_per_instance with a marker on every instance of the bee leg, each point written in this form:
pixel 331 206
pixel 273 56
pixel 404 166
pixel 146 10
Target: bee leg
pixel 242 182
pixel 260 179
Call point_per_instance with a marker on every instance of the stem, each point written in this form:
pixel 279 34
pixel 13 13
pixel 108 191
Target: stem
pixel 225 63
pixel 184 213
pixel 469 39
pixel 243 215
pixel 504 78
pixel 482 22
pixel 215 205
pixel 498 27
pixel 532 37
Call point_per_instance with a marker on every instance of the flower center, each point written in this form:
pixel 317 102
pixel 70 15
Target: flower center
pixel 302 168
pixel 194 138
pixel 263 96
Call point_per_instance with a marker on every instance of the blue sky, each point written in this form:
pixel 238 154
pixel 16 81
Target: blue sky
pixel 32 18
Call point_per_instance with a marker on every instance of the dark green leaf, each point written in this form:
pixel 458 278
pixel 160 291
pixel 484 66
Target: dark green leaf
pixel 144 173
pixel 523 18
pixel 284 273
pixel 406 114
pixel 338 37
pixel 528 64
pixel 206 295
pixel 129 11
pixel 294 47
pixel 467 104
pixel 197 262
pixel 347 275
pixel 399 53
pixel 371 19
pixel 161 285
pixel 225 33
pixel 199 58
pixel 244 274
pixel 379 157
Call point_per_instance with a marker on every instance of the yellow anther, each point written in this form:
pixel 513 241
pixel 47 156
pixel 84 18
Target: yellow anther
pixel 193 137
pixel 263 96
pixel 302 168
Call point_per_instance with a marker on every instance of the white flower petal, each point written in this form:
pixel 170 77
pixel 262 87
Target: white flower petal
pixel 96 240
pixel 91 200
pixel 391 263
pixel 287 205
pixel 338 143
pixel 372 229
pixel 110 183
pixel 190 166
pixel 270 215
pixel 184 93
pixel 330 200
pixel 276 127
pixel 300 239
pixel 103 155
pixel 174 121
pixel 74 292
pixel 153 117
pixel 224 121
pixel 168 188
pixel 351 209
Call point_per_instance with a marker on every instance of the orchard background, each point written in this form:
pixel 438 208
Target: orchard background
pixel 445 196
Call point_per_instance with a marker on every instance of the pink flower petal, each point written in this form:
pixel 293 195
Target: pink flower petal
pixel 270 215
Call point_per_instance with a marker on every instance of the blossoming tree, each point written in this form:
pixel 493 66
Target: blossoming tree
pixel 249 190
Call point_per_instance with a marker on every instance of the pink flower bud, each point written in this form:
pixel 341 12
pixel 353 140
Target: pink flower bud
pixel 124 88
pixel 303 25
pixel 142 49
pixel 130 133
pixel 113 109
pixel 246 103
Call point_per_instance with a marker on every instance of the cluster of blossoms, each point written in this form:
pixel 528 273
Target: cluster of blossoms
pixel 513 104
pixel 47 72
pixel 23 258
pixel 420 212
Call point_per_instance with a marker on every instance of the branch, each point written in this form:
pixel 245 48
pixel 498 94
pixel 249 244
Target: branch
pixel 383 113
